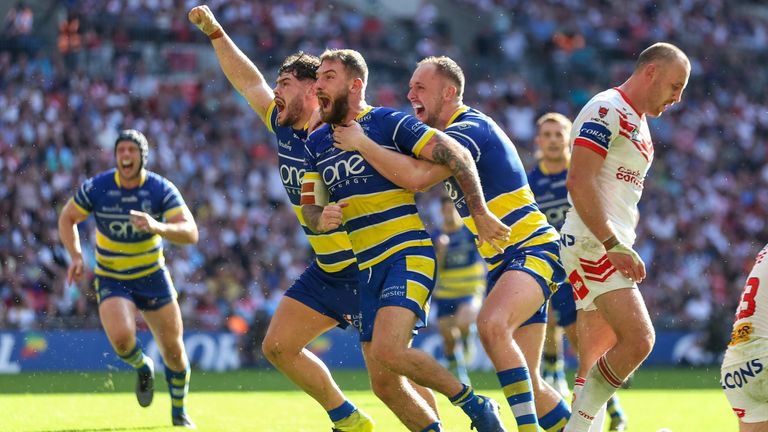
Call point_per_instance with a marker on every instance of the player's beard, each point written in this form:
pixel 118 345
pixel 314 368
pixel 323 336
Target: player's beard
pixel 292 113
pixel 433 116
pixel 339 109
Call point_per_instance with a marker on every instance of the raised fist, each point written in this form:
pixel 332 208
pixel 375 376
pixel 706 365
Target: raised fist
pixel 203 18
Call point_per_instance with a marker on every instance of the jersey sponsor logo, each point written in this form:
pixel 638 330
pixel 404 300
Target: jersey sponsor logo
pixel 129 199
pixel 596 132
pixel 112 209
pixel 291 175
pixel 124 230
pixel 738 378
pixel 113 193
pixel 629 176
pixel 342 169
pixel 393 291
pixel 355 320
pixel 285 145
pixel 567 240
pixel 741 333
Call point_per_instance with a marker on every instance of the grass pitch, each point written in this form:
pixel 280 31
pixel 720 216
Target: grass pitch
pixel 678 399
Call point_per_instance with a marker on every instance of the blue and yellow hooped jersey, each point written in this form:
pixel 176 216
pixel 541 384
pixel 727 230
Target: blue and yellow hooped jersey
pixel 123 252
pixel 333 250
pixel 381 218
pixel 551 193
pixel 505 185
pixel 462 270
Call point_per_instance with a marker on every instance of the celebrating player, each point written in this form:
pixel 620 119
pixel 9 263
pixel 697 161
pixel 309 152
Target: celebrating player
pixel 743 374
pixel 523 270
pixel 135 210
pixel 394 252
pixel 612 152
pixel 547 181
pixel 326 294
pixel 460 284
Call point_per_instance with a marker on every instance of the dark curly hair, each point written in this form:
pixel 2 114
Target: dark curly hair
pixel 302 65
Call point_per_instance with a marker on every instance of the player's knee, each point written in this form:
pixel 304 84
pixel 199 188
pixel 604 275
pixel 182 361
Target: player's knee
pixel 493 328
pixel 388 354
pixel 272 349
pixel 174 356
pixel 387 390
pixel 123 343
pixel 640 344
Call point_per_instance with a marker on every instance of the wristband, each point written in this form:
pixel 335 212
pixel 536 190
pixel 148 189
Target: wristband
pixel 610 242
pixel 216 34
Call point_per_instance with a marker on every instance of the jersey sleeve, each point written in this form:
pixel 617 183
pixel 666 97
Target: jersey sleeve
pixel 597 128
pixel 469 134
pixel 409 134
pixel 270 117
pixel 83 199
pixel 313 191
pixel 172 203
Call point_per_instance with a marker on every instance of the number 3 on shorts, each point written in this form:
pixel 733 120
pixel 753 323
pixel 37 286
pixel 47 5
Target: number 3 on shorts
pixel 747 302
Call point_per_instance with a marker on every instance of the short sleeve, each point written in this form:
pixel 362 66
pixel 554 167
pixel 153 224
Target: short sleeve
pixel 469 134
pixel 270 117
pixel 83 199
pixel 409 134
pixel 596 127
pixel 172 203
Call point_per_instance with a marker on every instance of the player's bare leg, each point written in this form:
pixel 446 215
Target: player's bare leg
pixel 753 427
pixel 118 317
pixel 390 347
pixel 450 332
pixel 291 329
pixel 405 399
pixel 511 302
pixel 167 329
pixel 553 356
pixel 624 311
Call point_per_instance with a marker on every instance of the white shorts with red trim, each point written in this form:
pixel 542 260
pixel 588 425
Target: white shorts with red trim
pixel 590 272
pixel 744 379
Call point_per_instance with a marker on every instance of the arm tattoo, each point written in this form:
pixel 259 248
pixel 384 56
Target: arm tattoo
pixel 459 161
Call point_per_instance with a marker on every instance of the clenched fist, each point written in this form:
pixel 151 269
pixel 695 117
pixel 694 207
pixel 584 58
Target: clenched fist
pixel 203 18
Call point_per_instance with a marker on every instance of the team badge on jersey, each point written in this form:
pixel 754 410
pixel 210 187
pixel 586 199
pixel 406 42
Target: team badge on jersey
pixel 741 334
pixel 603 111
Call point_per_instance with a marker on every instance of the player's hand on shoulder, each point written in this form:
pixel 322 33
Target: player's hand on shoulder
pixel 202 17
pixel 491 230
pixel 349 136
pixel 144 222
pixel 332 216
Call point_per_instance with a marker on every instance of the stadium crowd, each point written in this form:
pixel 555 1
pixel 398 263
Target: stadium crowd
pixel 125 63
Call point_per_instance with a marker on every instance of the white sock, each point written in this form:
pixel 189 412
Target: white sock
pixel 597 424
pixel 600 385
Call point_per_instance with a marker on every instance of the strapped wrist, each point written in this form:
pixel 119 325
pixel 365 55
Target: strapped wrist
pixel 610 242
pixel 219 32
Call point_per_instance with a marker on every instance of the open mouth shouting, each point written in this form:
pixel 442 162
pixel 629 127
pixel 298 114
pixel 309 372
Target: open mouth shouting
pixel 419 110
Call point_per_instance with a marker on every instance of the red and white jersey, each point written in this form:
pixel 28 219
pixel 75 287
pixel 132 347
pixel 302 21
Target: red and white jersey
pixel 611 127
pixel 751 322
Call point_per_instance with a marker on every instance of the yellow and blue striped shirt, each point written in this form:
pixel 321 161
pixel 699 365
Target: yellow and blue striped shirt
pixel 123 252
pixel 381 218
pixel 505 186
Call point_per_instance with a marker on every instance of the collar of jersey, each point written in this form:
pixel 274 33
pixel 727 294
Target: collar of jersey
pixel 629 102
pixel 141 183
pixel 365 111
pixel 462 109
pixel 545 171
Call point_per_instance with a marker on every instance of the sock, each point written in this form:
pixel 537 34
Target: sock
pixel 342 411
pixel 465 399
pixel 517 387
pixel 614 407
pixel 178 386
pixel 578 386
pixel 136 358
pixel 434 427
pixel 597 423
pixel 600 385
pixel 550 366
pixel 555 420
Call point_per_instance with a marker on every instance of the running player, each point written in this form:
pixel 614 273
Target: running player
pixel 394 252
pixel 743 375
pixel 612 152
pixel 547 181
pixel 135 210
pixel 460 285
pixel 524 270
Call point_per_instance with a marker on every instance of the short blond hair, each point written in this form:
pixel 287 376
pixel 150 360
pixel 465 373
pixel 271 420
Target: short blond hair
pixel 557 118
pixel 661 51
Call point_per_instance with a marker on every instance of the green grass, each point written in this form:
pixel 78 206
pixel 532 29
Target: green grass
pixel 678 399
